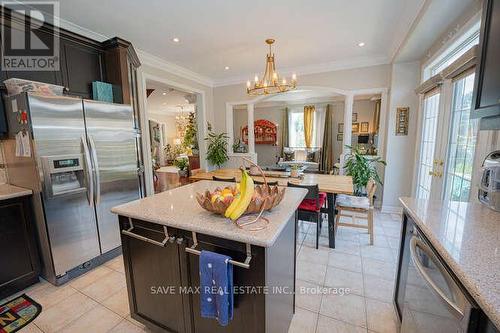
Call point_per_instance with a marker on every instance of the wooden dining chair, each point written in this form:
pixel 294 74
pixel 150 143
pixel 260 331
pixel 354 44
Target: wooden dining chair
pixel 310 208
pixel 258 182
pixel 219 179
pixel 351 206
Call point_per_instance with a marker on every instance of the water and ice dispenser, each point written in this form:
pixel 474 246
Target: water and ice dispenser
pixel 63 175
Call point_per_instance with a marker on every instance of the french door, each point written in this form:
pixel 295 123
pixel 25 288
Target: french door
pixel 447 141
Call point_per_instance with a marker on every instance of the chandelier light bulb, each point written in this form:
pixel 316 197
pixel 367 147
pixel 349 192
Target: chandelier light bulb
pixel 256 79
pixel 284 81
pixel 294 77
pixel 248 84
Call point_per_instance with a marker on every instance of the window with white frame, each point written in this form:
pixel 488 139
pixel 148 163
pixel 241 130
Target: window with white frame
pixel 462 141
pixel 448 135
pixel 296 129
pixel 296 136
pixel 461 45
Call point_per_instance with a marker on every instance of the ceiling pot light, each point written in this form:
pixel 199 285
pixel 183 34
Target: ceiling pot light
pixel 176 40
pixel 226 68
pixel 270 82
pixel 361 44
pixel 164 93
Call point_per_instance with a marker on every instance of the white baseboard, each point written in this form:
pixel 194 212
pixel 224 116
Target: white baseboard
pixel 392 209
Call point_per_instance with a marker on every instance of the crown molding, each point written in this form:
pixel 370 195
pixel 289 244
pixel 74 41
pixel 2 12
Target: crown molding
pixel 157 62
pixel 358 62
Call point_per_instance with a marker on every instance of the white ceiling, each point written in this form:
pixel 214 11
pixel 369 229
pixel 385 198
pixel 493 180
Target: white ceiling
pixel 436 17
pixel 173 102
pixel 312 36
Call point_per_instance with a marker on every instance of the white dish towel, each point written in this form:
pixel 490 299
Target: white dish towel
pixel 23 148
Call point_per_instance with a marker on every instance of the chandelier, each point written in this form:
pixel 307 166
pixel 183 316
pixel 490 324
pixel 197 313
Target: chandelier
pixel 270 82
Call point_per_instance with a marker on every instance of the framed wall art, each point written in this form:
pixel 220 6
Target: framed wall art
pixel 355 127
pixel 340 137
pixel 341 128
pixel 402 120
pixel 354 117
pixel 364 127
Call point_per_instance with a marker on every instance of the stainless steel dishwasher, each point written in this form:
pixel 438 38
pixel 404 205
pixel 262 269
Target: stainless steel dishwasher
pixel 434 302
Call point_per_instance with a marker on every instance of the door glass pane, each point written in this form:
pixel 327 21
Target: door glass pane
pixel 427 144
pixel 462 140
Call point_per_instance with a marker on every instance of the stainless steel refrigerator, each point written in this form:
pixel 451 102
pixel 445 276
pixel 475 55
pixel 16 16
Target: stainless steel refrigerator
pixel 84 160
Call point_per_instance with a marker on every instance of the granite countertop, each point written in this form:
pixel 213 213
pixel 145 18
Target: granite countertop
pixel 8 191
pixel 467 236
pixel 178 208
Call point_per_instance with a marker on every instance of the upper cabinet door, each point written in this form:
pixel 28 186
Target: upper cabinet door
pixel 83 65
pixel 486 100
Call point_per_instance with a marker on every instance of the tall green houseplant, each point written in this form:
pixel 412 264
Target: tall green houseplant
pixel 217 147
pixel 361 169
pixel 190 137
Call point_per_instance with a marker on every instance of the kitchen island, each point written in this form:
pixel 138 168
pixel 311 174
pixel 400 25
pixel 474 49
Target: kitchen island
pixel 459 240
pixel 161 235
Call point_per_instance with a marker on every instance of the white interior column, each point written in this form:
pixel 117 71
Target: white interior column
pixel 251 134
pixel 229 126
pixel 349 102
pixel 382 132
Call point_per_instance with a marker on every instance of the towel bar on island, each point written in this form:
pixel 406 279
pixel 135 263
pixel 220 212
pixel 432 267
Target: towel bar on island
pixel 129 232
pixel 245 264
pixel 192 249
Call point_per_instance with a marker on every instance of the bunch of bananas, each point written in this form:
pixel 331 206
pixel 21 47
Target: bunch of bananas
pixel 240 204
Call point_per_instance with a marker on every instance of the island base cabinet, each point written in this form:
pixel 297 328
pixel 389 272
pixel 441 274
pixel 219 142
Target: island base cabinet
pixel 264 293
pixel 151 272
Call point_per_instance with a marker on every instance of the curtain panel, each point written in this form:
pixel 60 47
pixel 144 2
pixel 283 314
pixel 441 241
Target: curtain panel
pixel 284 131
pixel 308 124
pixel 326 164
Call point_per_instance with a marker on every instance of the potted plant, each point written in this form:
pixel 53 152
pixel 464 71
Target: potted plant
pixel 217 147
pixel 361 169
pixel 190 141
pixel 182 164
pixel 294 170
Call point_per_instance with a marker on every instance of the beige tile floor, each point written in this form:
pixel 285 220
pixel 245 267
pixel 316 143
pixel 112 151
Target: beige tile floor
pixel 97 301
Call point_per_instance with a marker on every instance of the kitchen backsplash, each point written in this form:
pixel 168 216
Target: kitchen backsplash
pixel 3 171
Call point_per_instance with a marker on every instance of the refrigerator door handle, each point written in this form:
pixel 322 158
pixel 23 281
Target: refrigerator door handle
pixel 96 170
pixel 90 178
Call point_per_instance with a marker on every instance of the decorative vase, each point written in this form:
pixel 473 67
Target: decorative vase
pixel 294 173
pixel 183 173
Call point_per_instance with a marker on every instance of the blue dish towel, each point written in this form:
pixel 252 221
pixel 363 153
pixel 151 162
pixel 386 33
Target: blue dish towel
pixel 216 282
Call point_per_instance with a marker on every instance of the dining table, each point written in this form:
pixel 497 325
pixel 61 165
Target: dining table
pixel 332 185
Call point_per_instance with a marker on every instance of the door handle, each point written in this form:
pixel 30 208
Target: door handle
pixel 416 242
pixel 96 171
pixel 90 178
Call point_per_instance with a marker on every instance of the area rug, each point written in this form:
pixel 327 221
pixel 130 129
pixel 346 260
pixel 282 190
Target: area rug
pixel 17 313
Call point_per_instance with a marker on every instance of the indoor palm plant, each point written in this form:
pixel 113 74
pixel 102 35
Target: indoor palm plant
pixel 361 169
pixel 217 147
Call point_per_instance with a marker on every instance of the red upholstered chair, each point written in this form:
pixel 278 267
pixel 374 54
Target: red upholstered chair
pixel 309 209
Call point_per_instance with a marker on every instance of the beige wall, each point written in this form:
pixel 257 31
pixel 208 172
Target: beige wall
pixel 157 73
pixel 400 150
pixel 170 128
pixel 350 79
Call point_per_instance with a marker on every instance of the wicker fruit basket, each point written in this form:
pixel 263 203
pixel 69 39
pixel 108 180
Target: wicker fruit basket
pixel 248 206
pixel 265 197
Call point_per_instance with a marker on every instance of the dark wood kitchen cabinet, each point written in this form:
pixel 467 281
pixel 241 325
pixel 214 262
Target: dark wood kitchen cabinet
pixel 19 259
pixel 163 280
pixel 152 270
pixel 486 97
